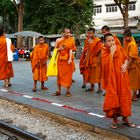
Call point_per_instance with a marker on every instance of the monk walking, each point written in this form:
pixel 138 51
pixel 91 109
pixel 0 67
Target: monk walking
pixel 65 46
pixel 39 58
pixel 92 51
pixel 6 56
pixel 115 81
pixel 131 50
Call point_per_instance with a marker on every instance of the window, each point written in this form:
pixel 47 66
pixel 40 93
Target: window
pixel 111 8
pixel 98 9
pixel 132 7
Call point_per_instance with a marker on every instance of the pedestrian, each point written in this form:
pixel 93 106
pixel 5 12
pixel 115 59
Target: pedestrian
pixel 115 82
pixel 6 57
pixel 92 52
pixel 131 50
pixel 65 46
pixel 39 57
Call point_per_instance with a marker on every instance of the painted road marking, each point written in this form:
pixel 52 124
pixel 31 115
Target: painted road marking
pixel 97 115
pixel 4 90
pixel 137 126
pixel 57 104
pixel 26 96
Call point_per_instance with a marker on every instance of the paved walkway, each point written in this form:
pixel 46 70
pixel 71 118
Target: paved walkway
pixel 81 106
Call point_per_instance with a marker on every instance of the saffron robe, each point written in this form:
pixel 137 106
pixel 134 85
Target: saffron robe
pixel 118 97
pixel 39 58
pixel 92 64
pixel 65 70
pixel 6 69
pixel 131 50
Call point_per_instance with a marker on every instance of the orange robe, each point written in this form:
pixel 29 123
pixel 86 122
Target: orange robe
pixel 6 69
pixel 118 97
pixel 134 68
pixel 65 70
pixel 82 59
pixel 92 64
pixel 74 49
pixel 117 41
pixel 39 58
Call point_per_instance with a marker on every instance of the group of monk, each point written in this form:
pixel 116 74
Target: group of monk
pixel 114 67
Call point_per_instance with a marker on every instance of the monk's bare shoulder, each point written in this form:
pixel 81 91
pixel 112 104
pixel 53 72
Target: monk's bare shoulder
pixel 59 40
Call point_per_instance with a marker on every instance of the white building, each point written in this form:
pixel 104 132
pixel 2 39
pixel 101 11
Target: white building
pixel 108 13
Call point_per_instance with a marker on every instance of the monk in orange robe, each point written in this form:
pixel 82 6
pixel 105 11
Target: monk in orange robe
pixel 106 30
pixel 65 46
pixel 74 50
pixel 131 50
pixel 93 46
pixel 115 81
pixel 82 65
pixel 6 69
pixel 39 58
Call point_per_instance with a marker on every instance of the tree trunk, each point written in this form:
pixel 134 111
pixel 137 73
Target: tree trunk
pixel 20 23
pixel 126 17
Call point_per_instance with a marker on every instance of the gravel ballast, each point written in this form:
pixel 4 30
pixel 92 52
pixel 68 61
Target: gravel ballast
pixel 37 123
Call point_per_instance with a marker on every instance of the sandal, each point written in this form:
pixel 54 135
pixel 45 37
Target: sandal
pixel 134 99
pixel 5 86
pixel 73 81
pixel 84 86
pixel 114 126
pixel 9 84
pixel 89 89
pixel 99 91
pixel 68 94
pixel 44 88
pixel 56 93
pixel 129 124
pixel 34 90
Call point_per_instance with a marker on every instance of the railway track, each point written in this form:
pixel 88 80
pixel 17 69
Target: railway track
pixel 14 133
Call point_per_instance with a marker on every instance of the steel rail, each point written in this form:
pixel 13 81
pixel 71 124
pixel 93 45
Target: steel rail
pixel 16 133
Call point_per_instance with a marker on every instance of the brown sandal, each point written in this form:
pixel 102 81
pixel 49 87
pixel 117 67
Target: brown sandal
pixel 5 86
pixel 134 99
pixel 34 90
pixel 44 88
pixel 114 126
pixel 89 89
pixel 129 124
pixel 56 93
pixel 68 94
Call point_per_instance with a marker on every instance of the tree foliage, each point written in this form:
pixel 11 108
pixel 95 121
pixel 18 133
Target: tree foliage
pixel 51 16
pixel 8 14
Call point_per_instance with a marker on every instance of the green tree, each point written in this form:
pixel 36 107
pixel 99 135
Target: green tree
pixel 7 12
pixel 123 6
pixel 53 15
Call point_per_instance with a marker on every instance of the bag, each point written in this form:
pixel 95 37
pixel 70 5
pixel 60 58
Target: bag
pixel 52 67
pixel 9 51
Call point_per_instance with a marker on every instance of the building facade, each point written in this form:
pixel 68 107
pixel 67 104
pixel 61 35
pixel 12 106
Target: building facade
pixel 108 13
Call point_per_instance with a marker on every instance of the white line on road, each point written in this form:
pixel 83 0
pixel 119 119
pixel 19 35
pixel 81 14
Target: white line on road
pixel 57 104
pixel 4 90
pixel 26 96
pixel 97 115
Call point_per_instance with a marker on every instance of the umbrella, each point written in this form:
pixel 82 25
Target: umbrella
pixel 28 34
pixel 10 36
